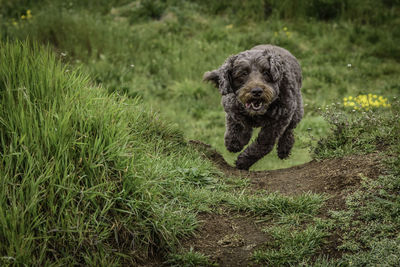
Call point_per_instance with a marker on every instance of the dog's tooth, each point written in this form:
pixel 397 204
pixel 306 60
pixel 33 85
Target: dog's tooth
pixel 256 107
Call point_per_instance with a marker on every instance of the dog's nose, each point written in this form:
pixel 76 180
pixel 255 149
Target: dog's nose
pixel 256 92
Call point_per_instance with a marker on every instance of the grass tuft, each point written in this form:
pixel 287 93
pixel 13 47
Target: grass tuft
pixel 85 176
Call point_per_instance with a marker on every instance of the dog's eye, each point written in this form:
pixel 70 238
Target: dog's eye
pixel 243 74
pixel 267 76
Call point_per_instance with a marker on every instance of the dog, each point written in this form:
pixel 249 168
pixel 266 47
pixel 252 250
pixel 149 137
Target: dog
pixel 260 87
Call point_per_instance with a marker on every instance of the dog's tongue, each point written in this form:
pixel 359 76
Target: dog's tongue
pixel 248 105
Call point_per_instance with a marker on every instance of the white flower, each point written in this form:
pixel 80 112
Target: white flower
pixel 349 65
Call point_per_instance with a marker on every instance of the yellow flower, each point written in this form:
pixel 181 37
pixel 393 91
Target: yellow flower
pixel 365 102
pixel 23 17
pixel 285 28
pixel 28 14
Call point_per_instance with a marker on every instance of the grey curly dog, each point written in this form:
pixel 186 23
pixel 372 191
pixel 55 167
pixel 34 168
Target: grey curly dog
pixel 260 87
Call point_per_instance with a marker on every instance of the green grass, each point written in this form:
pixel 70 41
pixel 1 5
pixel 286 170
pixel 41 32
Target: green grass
pixel 291 246
pixel 358 131
pixel 84 175
pixel 189 258
pixel 95 168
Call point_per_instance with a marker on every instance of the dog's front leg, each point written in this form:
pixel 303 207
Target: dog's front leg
pixel 237 134
pixel 259 148
pixel 264 143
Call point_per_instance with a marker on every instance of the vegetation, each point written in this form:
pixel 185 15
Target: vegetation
pixel 98 99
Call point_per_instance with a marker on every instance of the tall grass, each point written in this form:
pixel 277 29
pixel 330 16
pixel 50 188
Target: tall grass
pixel 84 176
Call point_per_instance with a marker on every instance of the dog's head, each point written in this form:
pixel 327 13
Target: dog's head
pixel 253 76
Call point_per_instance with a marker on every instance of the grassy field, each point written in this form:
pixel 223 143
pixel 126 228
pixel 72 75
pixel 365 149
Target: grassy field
pixel 99 99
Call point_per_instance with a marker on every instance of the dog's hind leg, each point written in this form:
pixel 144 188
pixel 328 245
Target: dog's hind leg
pixel 285 143
pixel 237 134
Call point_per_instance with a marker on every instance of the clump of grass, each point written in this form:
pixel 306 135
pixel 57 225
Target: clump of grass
pixel 358 132
pixel 86 178
pixel 189 258
pixel 290 246
pixel 276 204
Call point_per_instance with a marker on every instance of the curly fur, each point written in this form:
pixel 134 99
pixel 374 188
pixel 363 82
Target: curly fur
pixel 260 87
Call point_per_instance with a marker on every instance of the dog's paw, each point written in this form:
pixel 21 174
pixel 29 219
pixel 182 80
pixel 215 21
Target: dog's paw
pixel 283 154
pixel 233 146
pixel 242 164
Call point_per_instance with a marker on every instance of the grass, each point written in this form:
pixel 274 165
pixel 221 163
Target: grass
pixel 358 131
pixel 189 258
pixel 287 249
pixel 76 168
pixel 95 167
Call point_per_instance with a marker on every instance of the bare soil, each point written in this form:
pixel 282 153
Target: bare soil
pixel 229 239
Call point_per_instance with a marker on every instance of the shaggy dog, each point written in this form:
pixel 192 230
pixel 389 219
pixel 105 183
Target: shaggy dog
pixel 260 87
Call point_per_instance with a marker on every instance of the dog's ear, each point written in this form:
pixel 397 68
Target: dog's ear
pixel 275 63
pixel 212 76
pixel 222 77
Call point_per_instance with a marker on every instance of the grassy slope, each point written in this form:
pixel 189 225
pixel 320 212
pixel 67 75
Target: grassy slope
pixel 84 176
pixel 161 61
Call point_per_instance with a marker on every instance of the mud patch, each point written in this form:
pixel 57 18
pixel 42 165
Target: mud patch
pixel 228 238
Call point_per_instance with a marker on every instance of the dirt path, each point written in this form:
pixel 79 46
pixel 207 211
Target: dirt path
pixel 229 239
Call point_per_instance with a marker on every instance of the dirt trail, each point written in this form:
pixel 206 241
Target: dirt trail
pixel 229 239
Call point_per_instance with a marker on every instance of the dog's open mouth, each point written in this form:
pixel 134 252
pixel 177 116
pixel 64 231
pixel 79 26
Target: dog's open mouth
pixel 254 104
